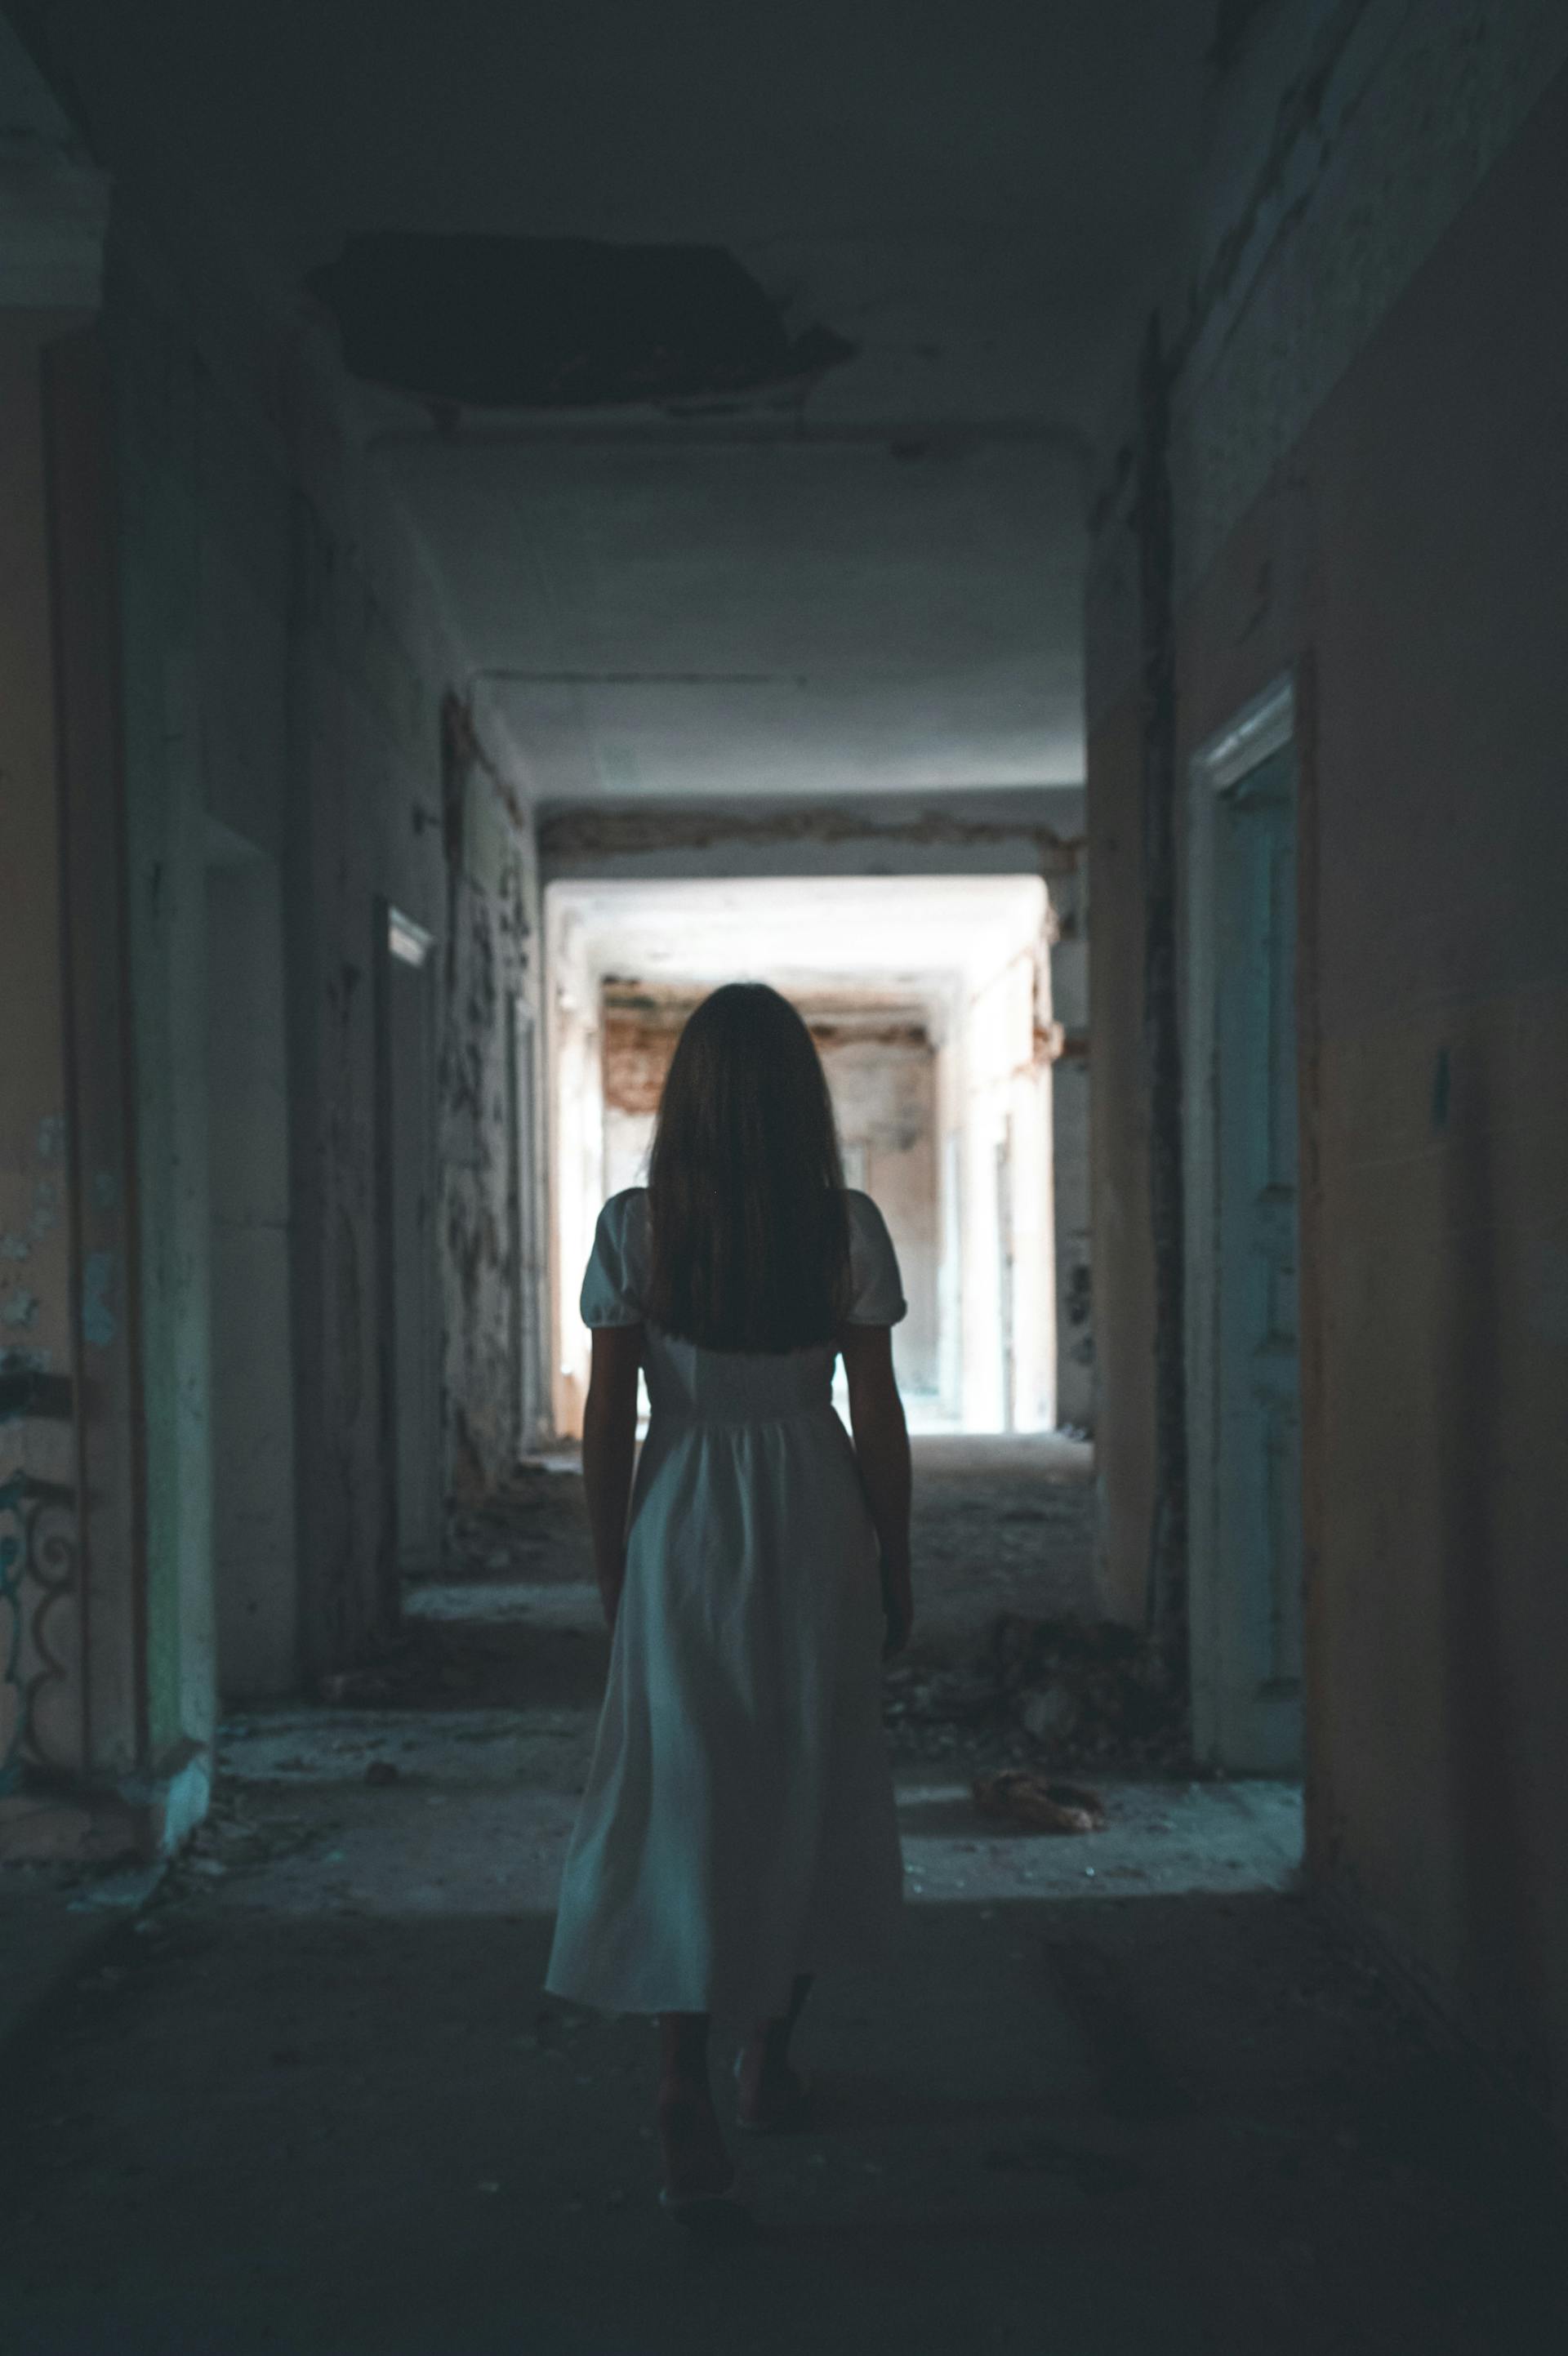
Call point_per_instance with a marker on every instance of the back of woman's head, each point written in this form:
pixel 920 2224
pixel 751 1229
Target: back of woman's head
pixel 748 1230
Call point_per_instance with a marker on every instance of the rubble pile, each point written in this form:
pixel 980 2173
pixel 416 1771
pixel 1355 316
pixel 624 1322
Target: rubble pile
pixel 535 1527
pixel 1060 1691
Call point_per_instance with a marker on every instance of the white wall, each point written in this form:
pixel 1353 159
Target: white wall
pixel 884 1093
pixel 576 1147
pixel 1069 1150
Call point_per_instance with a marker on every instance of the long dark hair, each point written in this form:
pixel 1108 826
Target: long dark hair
pixel 748 1232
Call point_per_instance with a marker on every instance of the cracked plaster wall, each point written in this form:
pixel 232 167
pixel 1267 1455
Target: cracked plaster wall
pixel 241 679
pixel 286 666
pixel 490 1136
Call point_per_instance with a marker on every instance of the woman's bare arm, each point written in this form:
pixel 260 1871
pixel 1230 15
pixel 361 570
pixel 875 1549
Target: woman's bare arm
pixel 609 1445
pixel 882 1450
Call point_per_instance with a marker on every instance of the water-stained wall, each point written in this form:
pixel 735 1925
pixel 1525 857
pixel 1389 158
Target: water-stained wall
pixel 490 1113
pixel 238 767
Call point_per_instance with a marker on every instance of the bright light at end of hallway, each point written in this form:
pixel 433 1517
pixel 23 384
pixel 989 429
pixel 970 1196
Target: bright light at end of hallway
pixel 930 998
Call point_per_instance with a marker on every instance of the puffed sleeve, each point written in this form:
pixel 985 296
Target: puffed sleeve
pixel 875 1288
pixel 610 1294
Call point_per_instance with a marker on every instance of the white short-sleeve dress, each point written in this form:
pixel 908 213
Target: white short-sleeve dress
pixel 738 1823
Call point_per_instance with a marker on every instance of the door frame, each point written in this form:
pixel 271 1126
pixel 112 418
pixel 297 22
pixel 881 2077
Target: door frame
pixel 1266 725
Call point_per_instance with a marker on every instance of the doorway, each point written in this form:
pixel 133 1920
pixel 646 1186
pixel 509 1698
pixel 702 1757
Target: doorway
pixel 1244 1402
pixel 410 1293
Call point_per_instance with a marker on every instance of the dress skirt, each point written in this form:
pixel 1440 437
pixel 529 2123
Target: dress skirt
pixel 738 1826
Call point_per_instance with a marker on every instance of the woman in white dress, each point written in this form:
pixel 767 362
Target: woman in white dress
pixel 737 1832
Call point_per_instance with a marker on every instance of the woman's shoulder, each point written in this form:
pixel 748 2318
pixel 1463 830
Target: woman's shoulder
pixel 868 1237
pixel 612 1282
pixel 865 1219
pixel 624 1216
pixel 876 1289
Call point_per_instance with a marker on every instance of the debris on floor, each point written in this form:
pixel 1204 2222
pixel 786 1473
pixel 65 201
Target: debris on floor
pixel 1062 1691
pixel 1025 1797
pixel 534 1527
pixel 231 1840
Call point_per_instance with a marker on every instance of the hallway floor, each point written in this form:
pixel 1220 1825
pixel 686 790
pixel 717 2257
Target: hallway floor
pixel 1125 2093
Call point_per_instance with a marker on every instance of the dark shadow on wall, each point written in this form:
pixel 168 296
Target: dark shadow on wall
pixel 1499 1933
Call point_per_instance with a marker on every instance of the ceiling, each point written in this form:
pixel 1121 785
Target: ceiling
pixel 767 619
pixel 868 579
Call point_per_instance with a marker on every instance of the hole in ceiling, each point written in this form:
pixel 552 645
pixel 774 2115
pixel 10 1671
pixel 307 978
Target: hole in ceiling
pixel 551 323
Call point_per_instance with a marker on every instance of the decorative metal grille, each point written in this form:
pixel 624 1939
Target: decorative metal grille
pixel 41 1560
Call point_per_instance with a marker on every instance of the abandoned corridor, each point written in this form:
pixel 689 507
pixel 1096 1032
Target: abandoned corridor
pixel 1038 530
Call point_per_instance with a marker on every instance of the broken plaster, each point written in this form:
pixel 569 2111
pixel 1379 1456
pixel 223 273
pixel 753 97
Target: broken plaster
pixel 567 833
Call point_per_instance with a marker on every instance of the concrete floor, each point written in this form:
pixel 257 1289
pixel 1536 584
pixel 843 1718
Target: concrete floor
pixel 1123 2092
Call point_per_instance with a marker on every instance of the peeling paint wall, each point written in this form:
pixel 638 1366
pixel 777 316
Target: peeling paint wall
pixel 1032 831
pixel 286 667
pixel 1371 491
pixel 491 985
pixel 361 685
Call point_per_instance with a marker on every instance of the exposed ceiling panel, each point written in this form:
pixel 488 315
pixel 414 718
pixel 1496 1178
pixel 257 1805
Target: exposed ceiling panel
pixel 966 193
pixel 970 198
